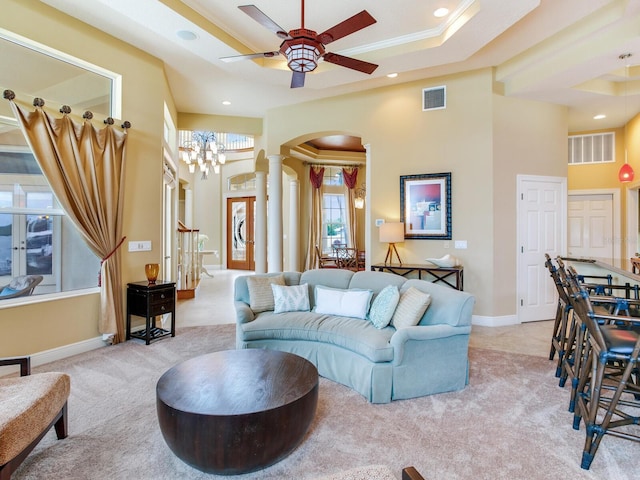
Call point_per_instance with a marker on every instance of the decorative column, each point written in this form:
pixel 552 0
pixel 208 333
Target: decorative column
pixel 294 226
pixel 274 231
pixel 260 240
pixel 188 207
pixel 367 206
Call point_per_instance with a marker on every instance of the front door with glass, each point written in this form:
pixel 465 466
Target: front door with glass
pixel 240 233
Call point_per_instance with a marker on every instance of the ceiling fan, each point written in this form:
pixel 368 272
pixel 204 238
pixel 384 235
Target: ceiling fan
pixel 304 48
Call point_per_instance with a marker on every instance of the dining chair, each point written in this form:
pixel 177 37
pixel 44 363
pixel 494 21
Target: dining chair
pixel 576 346
pixel 347 258
pixel 563 311
pixel 608 394
pixel 325 261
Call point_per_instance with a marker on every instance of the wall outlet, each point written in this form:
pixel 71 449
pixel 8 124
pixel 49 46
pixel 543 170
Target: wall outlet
pixel 379 221
pixel 460 244
pixel 140 246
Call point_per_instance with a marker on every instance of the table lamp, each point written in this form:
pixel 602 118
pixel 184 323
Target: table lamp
pixel 392 233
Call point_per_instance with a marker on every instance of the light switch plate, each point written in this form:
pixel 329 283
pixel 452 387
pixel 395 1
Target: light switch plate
pixel 460 244
pixel 140 246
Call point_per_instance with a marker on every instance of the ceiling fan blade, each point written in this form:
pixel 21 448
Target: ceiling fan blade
pixel 297 80
pixel 350 25
pixel 260 17
pixel 349 62
pixel 236 58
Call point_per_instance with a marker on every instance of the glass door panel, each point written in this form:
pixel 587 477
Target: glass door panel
pixel 240 233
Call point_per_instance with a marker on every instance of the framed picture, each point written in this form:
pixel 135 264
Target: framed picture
pixel 425 206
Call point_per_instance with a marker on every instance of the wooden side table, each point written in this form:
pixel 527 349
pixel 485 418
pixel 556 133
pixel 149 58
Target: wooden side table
pixel 149 301
pixel 439 274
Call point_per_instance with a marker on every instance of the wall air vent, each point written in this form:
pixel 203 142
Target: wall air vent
pixel 594 148
pixel 434 98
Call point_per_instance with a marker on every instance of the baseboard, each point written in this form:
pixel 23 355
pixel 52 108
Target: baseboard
pixel 40 358
pixel 502 321
pixel 58 353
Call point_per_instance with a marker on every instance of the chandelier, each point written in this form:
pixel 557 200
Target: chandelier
pixel 203 152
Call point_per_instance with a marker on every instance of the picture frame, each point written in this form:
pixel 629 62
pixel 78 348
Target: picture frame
pixel 425 206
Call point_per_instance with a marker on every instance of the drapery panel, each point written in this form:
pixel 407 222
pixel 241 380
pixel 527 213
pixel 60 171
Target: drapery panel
pixel 316 177
pixel 85 168
pixel 350 176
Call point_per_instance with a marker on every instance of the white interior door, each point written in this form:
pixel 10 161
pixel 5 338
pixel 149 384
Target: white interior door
pixel 590 227
pixel 542 210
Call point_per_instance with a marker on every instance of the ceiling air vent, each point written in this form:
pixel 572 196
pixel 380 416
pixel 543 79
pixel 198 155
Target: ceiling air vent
pixel 434 98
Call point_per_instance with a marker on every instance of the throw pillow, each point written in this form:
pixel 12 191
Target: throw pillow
pixel 346 303
pixel 412 305
pixel 383 306
pixel 294 298
pixel 260 293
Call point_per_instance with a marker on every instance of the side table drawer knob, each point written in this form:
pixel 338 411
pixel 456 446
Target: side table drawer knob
pixel 162 295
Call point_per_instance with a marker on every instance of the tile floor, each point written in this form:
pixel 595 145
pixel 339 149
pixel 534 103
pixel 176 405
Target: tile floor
pixel 213 305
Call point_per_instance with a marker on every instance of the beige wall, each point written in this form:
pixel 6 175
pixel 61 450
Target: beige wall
pixel 144 92
pixel 605 176
pixel 483 139
pixel 529 138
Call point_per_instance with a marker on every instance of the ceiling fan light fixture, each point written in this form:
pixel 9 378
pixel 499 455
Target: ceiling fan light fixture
pixel 303 54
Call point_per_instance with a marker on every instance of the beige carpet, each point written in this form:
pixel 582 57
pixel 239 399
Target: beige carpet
pixel 511 422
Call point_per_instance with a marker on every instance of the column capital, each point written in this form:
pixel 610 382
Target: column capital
pixel 275 158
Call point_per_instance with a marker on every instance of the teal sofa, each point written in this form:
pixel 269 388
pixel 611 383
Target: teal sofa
pixel 381 364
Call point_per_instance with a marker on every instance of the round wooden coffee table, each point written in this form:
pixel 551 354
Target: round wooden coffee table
pixel 237 411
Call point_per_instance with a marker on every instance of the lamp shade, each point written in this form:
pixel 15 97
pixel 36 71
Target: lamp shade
pixel 392 232
pixel 626 173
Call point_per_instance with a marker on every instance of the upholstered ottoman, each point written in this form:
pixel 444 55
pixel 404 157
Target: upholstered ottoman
pixel 29 406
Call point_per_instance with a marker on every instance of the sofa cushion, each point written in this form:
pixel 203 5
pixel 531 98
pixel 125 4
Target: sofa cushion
pixel 294 298
pixel 411 307
pixel 260 292
pixel 359 336
pixel 383 306
pixel 346 303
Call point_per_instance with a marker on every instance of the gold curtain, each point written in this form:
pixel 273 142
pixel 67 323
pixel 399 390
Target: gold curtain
pixel 316 175
pixel 85 168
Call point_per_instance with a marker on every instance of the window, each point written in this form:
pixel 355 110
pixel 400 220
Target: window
pixel 36 237
pixel 334 211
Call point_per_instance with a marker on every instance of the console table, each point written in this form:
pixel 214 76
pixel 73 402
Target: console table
pixel 452 276
pixel 149 301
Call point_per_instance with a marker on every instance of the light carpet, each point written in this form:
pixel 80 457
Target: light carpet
pixel 511 422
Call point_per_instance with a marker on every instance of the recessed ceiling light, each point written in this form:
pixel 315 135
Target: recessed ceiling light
pixel 600 116
pixel 186 35
pixel 441 12
pixel 392 75
pixel 226 102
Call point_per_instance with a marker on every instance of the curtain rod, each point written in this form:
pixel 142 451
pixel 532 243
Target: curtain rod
pixel 337 165
pixel 65 109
